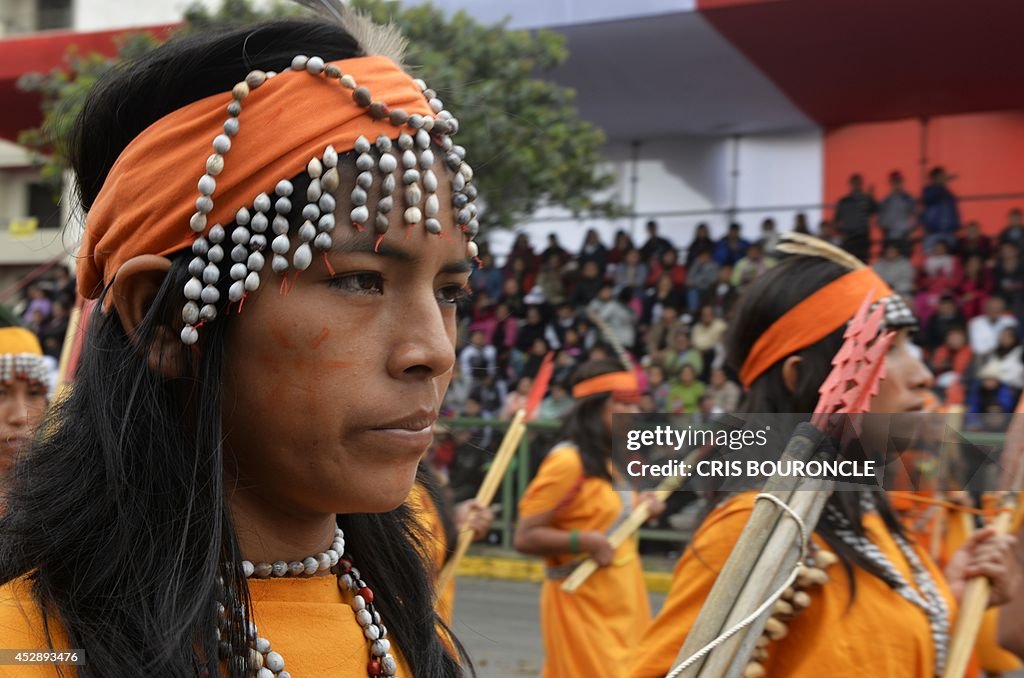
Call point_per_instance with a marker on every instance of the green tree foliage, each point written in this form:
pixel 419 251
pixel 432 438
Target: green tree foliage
pixel 527 142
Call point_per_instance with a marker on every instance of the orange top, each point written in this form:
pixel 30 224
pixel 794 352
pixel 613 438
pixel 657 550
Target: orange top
pixel 306 620
pixel 813 319
pixel 594 630
pixel 149 195
pixel 877 633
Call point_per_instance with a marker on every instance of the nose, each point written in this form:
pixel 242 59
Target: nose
pixel 921 377
pixel 425 346
pixel 15 409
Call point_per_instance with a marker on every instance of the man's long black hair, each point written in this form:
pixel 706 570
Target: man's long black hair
pixel 117 514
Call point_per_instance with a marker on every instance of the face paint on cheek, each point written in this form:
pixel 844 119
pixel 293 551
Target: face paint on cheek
pixel 320 338
pixel 281 337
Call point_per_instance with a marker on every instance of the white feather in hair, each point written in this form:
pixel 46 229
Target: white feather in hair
pixel 807 245
pixel 373 39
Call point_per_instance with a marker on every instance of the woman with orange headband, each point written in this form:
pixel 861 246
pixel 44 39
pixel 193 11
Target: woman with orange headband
pixel 279 227
pixel 23 394
pixel 568 510
pixel 888 610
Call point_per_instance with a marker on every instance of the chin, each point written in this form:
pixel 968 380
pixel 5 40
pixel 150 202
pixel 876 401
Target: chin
pixel 389 490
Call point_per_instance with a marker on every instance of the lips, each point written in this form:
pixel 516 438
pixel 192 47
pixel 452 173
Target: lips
pixel 415 421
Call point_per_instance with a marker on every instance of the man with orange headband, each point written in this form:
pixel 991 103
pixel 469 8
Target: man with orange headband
pixel 573 502
pixel 23 393
pixel 888 610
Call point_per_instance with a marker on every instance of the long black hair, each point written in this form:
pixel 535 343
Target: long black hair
pixel 766 300
pixel 118 514
pixel 584 426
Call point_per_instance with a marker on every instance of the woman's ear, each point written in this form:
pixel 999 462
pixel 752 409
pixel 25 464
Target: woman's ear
pixel 791 372
pixel 132 292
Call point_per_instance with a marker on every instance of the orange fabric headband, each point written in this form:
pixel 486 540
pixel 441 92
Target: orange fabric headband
pixel 18 341
pixel 149 195
pixel 812 320
pixel 613 382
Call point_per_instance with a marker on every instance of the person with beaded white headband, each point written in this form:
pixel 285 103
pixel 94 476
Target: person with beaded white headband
pixel 24 376
pixel 279 226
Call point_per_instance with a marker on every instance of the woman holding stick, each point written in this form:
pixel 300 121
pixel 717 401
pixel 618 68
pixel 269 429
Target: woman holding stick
pixel 888 610
pixel 571 505
pixel 221 493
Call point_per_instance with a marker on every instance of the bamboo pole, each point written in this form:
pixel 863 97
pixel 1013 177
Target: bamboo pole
pixel 785 548
pixel 763 520
pixel 506 452
pixel 974 603
pixel 620 534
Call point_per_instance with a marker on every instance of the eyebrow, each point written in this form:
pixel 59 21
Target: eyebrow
pixel 364 245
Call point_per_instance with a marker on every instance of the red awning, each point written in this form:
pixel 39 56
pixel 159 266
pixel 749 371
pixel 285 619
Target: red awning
pixel 42 53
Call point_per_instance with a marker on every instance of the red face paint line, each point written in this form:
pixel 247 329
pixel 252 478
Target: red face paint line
pixel 320 338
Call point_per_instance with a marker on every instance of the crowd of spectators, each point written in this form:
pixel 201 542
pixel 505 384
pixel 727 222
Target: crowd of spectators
pixel 669 304
pixel 46 307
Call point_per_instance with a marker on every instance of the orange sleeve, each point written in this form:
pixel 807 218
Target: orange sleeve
pixel 692 580
pixel 558 476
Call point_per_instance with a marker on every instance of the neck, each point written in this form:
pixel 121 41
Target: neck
pixel 267 532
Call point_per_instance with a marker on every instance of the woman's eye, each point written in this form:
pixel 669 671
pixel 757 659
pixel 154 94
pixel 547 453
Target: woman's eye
pixel 453 294
pixel 359 283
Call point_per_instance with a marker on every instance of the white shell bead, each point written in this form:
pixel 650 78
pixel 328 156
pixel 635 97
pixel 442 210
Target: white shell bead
pixel 279 264
pixel 274 661
pixel 363 617
pixel 330 181
pixel 371 632
pixel 413 215
pixel 280 225
pixel 262 645
pixel 280 245
pixel 240 236
pixel 301 260
pixel 323 241
pixel 207 184
pixel 190 313
pixel 215 164
pixel 189 335
pixel 242 217
pixel 427 159
pixel 204 205
pixel 210 295
pixel 323 560
pixel 296 568
pixel 283 205
pixel 422 139
pixel 327 203
pixel 436 105
pixel 429 181
pixel 307 231
pixel 280 569
pixel 264 673
pixel 311 212
pixel 314 168
pixel 405 142
pixel 387 163
pixel 252 282
pixel 315 65
pixel 360 214
pixel 408 159
pixel 211 274
pixel 284 188
pixel 299 62
pixel 330 157
pixel 255 262
pixel 314 191
pixel 326 223
pixel 248 568
pixel 310 564
pixel 362 145
pixel 262 203
pixel 259 222
pixel 471 249
pixel 198 222
pixel 358 602
pixel 236 291
pixel 222 143
pixel 433 226
pixel 231 127
pixel 348 81
pixel 207 313
pixel 413 195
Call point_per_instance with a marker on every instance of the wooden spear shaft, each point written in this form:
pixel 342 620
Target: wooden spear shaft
pixel 736 571
pixel 620 534
pixel 974 603
pixel 484 495
pixel 784 548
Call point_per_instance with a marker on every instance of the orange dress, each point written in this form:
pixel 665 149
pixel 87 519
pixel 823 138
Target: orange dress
pixel 306 620
pixel 877 634
pixel 436 541
pixel 593 631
